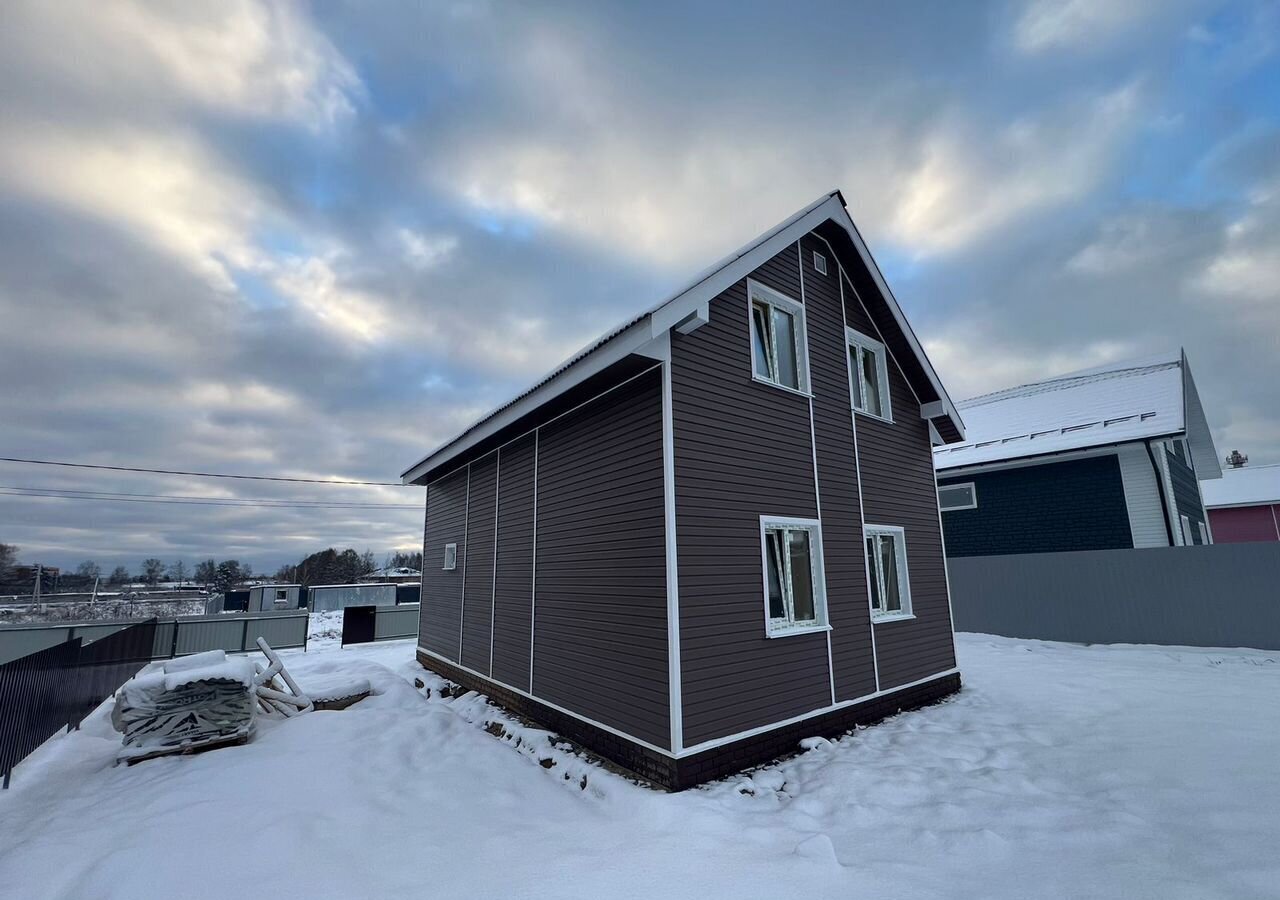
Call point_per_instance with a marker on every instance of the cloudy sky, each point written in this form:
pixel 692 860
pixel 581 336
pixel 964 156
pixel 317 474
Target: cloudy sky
pixel 316 241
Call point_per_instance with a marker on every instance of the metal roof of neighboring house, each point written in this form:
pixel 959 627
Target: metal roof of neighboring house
pixel 1133 400
pixel 673 309
pixel 1246 486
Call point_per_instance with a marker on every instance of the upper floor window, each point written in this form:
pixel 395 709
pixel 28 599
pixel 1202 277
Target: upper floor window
pixel 778 351
pixel 887 569
pixel 450 556
pixel 957 496
pixel 868 375
pixel 794 585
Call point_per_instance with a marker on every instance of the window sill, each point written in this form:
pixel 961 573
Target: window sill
pixel 885 419
pixel 781 387
pixel 896 617
pixel 791 632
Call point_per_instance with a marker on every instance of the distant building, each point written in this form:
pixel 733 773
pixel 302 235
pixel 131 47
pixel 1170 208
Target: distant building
pixel 393 575
pixel 1244 505
pixel 1105 458
pixel 264 597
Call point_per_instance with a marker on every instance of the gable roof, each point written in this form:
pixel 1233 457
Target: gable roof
pixel 636 332
pixel 1134 400
pixel 1246 486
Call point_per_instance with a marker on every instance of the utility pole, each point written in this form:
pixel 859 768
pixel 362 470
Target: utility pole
pixel 94 599
pixel 39 578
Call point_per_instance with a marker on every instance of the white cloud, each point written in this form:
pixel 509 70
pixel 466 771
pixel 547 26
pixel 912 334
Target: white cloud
pixel 167 190
pixel 425 251
pixel 313 283
pixel 1072 24
pixel 1243 279
pixel 602 160
pixel 245 57
pixel 969 184
pixel 1003 364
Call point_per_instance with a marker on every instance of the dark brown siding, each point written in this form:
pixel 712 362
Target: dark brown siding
pixel 742 450
pixel 477 590
pixel 513 590
pixel 847 602
pixel 440 616
pixel 898 488
pixel 600 613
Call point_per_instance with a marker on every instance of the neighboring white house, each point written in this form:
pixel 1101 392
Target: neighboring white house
pixel 1103 458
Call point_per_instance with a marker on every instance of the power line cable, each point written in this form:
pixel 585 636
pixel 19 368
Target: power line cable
pixel 41 490
pixel 225 503
pixel 49 462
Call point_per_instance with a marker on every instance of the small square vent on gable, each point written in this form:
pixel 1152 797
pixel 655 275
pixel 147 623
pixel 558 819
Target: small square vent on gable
pixel 820 262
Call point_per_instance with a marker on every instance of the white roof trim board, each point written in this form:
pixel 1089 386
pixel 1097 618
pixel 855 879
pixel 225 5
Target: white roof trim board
pixel 1247 486
pixel 1135 400
pixel 636 332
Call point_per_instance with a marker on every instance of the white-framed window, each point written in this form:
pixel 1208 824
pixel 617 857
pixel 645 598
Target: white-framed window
pixel 1187 539
pixel 957 496
pixel 819 263
pixel 282 594
pixel 450 556
pixel 779 351
pixel 1204 533
pixel 795 595
pixel 868 375
pixel 887 570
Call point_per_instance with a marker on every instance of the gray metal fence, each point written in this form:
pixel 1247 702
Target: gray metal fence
pixel 1221 595
pixel 361 624
pixel 177 636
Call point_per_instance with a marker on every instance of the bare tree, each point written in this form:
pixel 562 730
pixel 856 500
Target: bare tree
pixel 119 575
pixel 152 571
pixel 8 557
pixel 178 572
pixel 206 573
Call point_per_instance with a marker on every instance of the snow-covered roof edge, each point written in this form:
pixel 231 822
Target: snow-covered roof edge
pixel 1053 434
pixel 1199 436
pixel 670 311
pixel 1247 486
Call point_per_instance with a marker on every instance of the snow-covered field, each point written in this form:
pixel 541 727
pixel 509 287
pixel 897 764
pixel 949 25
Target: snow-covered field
pixel 1059 771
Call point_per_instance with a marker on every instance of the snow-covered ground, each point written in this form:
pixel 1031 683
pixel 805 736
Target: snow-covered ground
pixel 1059 771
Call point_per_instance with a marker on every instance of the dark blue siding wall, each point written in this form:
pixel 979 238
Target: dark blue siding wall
pixel 1073 505
pixel 1186 491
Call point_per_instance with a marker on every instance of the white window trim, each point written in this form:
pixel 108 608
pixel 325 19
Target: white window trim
pixel 819 263
pixel 864 342
pixel 973 492
pixel 1187 539
pixel 450 564
pixel 821 622
pixel 1204 533
pixel 765 294
pixel 904 578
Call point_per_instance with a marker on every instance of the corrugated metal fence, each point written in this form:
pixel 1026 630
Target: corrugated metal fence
pixel 58 686
pixel 361 624
pixel 176 636
pixel 1221 595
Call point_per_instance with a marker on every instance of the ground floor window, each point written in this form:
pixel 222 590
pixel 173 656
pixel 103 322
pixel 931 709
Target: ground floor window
pixel 887 570
pixel 794 584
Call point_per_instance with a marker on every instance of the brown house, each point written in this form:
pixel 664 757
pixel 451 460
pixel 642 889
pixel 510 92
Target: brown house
pixel 714 531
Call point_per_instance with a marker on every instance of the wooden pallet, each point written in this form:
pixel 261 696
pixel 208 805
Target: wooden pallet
pixel 186 749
